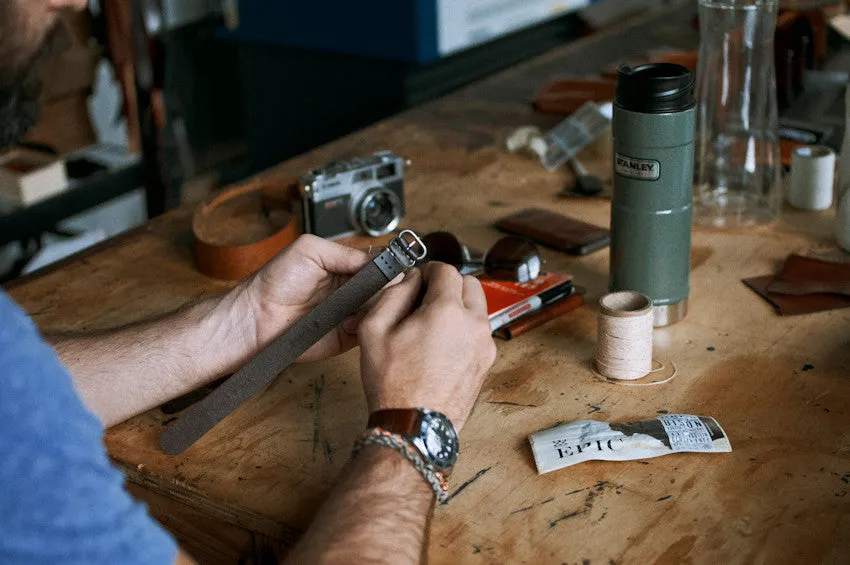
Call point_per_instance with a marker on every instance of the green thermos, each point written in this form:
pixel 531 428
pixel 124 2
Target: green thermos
pixel 653 129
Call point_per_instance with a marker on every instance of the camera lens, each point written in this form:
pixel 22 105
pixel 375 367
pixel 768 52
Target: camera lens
pixel 379 212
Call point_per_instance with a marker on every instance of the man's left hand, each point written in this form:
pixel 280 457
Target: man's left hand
pixel 292 284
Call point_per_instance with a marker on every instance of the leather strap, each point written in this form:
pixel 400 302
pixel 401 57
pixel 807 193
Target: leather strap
pixel 402 421
pixel 238 230
pixel 291 344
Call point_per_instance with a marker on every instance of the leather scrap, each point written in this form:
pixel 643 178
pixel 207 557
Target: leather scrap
pixel 805 275
pixel 790 305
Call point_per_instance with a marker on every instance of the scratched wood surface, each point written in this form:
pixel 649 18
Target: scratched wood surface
pixel 778 385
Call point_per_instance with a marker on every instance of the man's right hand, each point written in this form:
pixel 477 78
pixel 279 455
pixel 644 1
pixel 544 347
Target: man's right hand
pixel 433 356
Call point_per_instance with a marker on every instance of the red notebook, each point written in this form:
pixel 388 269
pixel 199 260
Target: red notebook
pixel 507 301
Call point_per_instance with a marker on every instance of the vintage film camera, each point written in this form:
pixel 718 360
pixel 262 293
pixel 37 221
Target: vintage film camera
pixel 360 195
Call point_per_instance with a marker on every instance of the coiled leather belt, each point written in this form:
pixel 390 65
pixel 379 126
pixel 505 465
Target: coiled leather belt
pixel 238 230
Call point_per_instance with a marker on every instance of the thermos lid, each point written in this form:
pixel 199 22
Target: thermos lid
pixel 655 88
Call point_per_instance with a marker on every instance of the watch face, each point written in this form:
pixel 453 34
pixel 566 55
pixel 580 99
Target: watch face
pixel 440 440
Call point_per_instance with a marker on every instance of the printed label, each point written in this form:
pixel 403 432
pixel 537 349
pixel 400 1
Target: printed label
pixel 686 433
pixel 586 440
pixel 642 169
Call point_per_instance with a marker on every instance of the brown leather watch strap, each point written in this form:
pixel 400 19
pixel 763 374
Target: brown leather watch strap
pixel 238 230
pixel 402 421
pixel 407 423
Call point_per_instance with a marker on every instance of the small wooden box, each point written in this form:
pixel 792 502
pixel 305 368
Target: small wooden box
pixel 28 176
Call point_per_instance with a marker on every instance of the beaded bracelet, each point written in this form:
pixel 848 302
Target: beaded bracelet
pixel 380 436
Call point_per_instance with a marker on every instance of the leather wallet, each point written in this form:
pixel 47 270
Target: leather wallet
pixel 556 231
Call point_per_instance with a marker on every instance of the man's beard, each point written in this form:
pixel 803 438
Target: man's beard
pixel 20 92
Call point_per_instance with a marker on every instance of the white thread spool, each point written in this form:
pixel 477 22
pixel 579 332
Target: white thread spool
pixel 812 176
pixel 624 336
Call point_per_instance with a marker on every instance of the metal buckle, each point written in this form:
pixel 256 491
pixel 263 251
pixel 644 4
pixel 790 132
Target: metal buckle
pixel 412 244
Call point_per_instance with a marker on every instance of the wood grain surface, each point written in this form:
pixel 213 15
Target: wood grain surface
pixel 778 385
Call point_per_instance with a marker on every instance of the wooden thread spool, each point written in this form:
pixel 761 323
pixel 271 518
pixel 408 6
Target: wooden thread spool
pixel 624 335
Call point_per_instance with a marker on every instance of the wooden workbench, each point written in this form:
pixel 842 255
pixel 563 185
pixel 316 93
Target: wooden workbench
pixel 778 385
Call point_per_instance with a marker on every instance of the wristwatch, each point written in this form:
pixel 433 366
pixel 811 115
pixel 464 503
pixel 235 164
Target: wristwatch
pixel 430 432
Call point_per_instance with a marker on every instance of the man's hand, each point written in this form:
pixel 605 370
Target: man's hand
pixel 430 356
pixel 434 356
pixel 292 284
pixel 125 371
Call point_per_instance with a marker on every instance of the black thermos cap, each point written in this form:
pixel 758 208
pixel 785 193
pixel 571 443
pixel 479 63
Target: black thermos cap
pixel 656 88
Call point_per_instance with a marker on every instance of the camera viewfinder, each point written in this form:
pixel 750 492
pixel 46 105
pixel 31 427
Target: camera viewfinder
pixel 386 171
pixel 363 175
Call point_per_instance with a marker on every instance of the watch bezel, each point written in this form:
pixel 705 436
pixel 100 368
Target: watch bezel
pixel 446 458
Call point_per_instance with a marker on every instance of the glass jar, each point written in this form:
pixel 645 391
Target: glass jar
pixel 736 161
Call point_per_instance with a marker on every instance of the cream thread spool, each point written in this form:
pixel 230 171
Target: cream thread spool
pixel 624 336
pixel 812 176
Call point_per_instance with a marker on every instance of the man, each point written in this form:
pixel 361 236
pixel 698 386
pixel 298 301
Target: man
pixel 61 501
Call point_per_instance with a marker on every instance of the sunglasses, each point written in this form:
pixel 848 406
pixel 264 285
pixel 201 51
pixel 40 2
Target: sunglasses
pixel 511 258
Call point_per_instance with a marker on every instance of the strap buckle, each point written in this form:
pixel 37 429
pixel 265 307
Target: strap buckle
pixel 412 245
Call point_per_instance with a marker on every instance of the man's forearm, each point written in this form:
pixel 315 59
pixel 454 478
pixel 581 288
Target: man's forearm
pixel 123 372
pixel 378 513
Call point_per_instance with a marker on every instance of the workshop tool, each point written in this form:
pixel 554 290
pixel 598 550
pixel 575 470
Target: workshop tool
pixel 653 130
pixel 563 142
pixel 401 254
pixel 812 176
pixel 586 183
pixel 573 134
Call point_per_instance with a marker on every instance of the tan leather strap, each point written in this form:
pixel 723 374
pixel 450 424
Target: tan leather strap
pixel 401 421
pixel 238 230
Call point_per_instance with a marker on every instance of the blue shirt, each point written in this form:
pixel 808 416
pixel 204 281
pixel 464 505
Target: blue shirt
pixel 61 501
